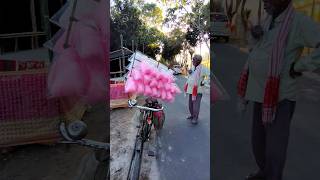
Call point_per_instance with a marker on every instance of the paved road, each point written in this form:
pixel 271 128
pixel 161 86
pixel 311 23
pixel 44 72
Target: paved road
pixel 232 157
pixel 185 148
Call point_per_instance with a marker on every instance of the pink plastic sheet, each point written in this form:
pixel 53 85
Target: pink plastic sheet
pixel 83 62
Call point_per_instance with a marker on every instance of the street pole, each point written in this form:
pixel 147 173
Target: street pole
pixel 122 58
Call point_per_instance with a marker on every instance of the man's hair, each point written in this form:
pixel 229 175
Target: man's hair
pixel 198 57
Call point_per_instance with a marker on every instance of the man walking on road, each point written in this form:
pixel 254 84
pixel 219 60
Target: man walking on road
pixel 194 88
pixel 269 81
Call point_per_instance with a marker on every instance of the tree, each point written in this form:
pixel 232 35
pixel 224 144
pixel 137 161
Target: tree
pixel 172 45
pixel 151 14
pixel 124 20
pixel 137 22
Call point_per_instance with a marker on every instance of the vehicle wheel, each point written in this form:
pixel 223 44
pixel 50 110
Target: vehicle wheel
pixel 77 130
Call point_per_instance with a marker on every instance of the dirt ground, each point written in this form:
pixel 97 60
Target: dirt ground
pixel 122 137
pixel 60 161
pixel 123 131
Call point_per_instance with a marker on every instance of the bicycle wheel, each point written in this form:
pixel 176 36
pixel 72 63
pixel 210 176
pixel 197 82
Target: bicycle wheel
pixel 146 127
pixel 146 131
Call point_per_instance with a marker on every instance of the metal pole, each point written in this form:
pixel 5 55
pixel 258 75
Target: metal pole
pixel 121 60
pixel 34 39
pixel 46 24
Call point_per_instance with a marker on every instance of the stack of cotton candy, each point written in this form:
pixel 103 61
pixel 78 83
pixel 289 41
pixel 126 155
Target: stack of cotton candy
pixel 149 81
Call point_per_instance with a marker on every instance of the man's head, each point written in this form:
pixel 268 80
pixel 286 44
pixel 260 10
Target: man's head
pixel 275 7
pixel 196 60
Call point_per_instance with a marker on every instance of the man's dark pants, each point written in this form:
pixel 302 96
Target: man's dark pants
pixel 194 106
pixel 270 142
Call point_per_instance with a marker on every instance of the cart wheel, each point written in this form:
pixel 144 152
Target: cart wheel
pixel 77 130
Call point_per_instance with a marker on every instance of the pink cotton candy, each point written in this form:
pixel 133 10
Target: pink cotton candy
pixel 140 87
pixel 165 79
pixel 154 92
pixel 163 95
pixel 147 79
pixel 67 75
pixel 169 96
pixel 130 86
pixel 167 87
pixel 154 72
pixel 136 75
pixel 159 85
pixel 148 91
pixel 88 41
pixel 158 95
pixel 153 83
pixel 159 77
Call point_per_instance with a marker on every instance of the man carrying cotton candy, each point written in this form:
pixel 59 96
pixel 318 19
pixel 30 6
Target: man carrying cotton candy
pixel 194 88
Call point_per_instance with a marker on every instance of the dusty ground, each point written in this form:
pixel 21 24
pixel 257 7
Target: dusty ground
pixel 123 131
pixel 122 138
pixel 63 162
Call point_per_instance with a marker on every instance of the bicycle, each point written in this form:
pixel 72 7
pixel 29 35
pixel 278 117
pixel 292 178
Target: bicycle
pixel 152 114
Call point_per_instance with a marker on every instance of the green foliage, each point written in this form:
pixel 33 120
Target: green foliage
pixel 173 45
pixel 140 21
pixel 199 22
pixel 151 13
pixel 130 18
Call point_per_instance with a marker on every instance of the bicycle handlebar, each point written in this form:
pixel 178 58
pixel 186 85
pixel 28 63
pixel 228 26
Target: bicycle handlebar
pixel 133 103
pixel 150 109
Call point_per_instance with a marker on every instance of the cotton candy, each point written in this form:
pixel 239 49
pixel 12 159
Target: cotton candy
pixel 147 79
pixel 159 85
pixel 136 75
pixel 82 74
pixel 67 75
pixel 163 95
pixel 140 87
pixel 167 86
pixel 154 92
pixel 153 83
pixel 148 91
pixel 169 97
pixel 130 86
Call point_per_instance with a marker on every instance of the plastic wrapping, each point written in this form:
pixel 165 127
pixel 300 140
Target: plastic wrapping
pixel 79 69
